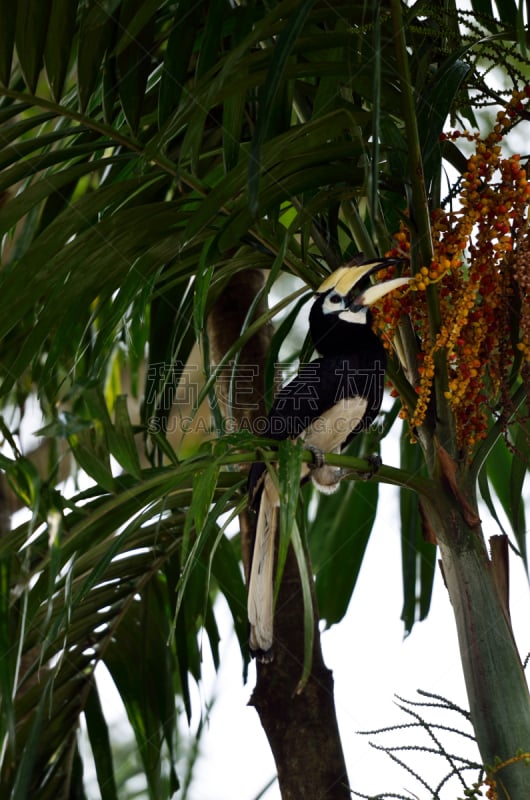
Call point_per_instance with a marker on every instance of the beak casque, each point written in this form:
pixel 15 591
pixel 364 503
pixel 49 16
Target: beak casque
pixel 378 290
pixel 344 280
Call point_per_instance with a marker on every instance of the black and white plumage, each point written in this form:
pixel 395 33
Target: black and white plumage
pixel 330 399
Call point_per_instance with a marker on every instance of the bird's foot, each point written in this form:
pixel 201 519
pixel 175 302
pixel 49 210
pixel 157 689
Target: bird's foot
pixel 326 478
pixel 376 462
pixel 318 457
pixel 263 656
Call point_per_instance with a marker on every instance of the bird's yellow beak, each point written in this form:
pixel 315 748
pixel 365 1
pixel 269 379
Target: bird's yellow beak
pixel 345 279
pixel 379 290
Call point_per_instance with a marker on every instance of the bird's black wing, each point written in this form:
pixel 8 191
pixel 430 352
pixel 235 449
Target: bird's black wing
pixel 316 388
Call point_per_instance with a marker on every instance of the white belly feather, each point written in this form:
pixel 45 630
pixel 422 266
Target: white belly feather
pixel 327 433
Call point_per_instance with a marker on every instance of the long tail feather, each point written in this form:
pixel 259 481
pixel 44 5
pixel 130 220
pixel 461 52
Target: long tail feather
pixel 261 584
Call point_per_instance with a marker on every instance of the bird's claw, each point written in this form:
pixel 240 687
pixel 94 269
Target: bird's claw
pixel 376 462
pixel 318 457
pixel 263 656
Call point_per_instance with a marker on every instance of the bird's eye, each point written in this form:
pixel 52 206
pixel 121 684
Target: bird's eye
pixel 335 298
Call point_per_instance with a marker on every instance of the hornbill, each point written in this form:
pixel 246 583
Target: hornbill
pixel 326 404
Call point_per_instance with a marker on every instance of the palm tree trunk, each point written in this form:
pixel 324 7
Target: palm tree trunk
pixel 301 726
pixel 497 690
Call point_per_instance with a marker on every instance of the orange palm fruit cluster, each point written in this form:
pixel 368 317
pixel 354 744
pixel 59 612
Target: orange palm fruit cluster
pixel 481 269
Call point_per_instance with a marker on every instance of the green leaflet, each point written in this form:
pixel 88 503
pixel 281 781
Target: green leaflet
pixel 8 662
pixel 60 36
pixel 506 469
pixel 227 573
pixel 96 32
pixel 289 467
pixel 25 766
pixel 278 63
pixel 147 690
pixel 7 39
pixel 179 49
pixel 98 734
pixel 418 557
pixel 213 31
pixel 25 481
pixel 30 36
pixel 307 594
pixel 204 483
pixel 133 57
pixel 339 535
pixel 122 444
pixel 274 350
pixel 136 18
pixel 435 107
pixel 202 286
